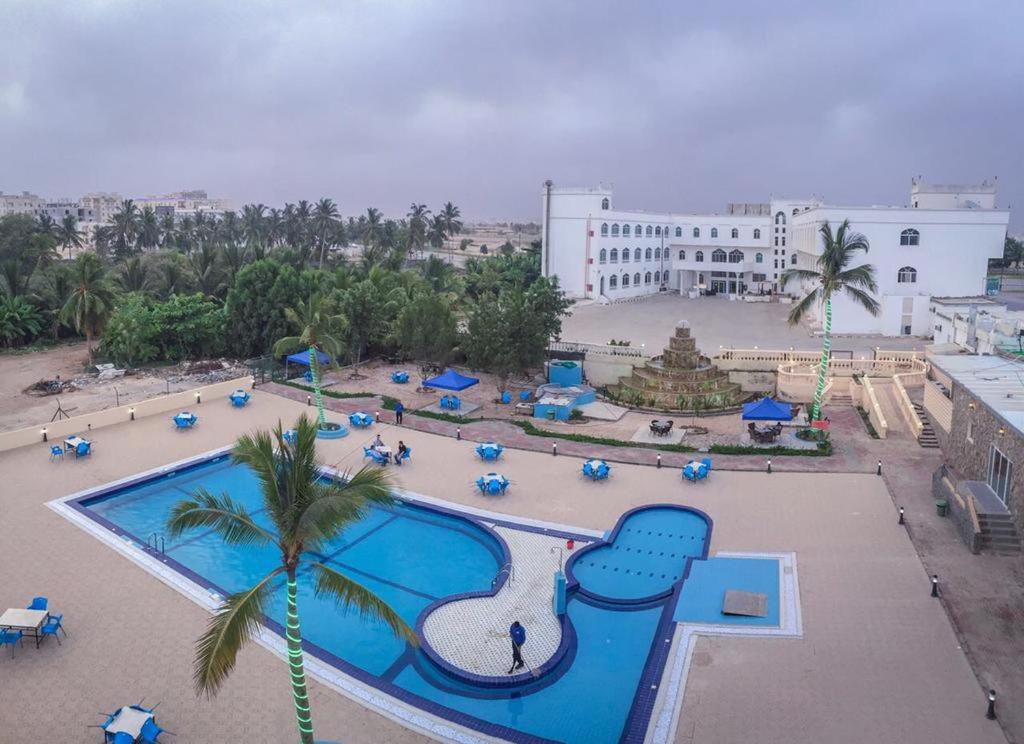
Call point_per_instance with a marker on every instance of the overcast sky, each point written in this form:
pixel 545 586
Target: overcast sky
pixel 480 102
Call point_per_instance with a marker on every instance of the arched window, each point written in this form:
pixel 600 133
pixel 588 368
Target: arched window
pixel 780 218
pixel 613 282
pixel 714 232
pixel 682 255
pixel 907 275
pixel 615 230
pixel 735 233
pixel 636 254
pixel 615 255
pixel 757 234
pixel 625 280
pixel 657 231
pixel 657 253
pixel 696 232
pixel 602 256
pixel 699 256
pixel 679 232
pixel 650 231
pixel 735 256
pixel 636 279
pixel 718 256
pixel 657 276
pixel 604 203
pixel 795 210
pixel 604 230
pixel 647 254
pixel 647 278
pixel 759 258
pixel 625 255
pixel 625 231
pixel 638 231
pixel 910 236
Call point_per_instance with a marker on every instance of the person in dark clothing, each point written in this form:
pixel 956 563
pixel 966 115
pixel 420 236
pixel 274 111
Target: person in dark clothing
pixel 402 449
pixel 518 635
pixel 399 410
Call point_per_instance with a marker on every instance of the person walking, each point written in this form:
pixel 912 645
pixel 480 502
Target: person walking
pixel 518 635
pixel 399 410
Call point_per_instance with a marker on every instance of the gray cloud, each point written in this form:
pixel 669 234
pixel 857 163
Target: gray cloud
pixel 383 103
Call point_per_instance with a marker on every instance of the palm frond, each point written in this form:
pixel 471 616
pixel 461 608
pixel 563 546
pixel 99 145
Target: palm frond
pixel 231 628
pixel 257 451
pixel 801 308
pixel 205 509
pixel 862 276
pixel 349 594
pixel 790 275
pixel 341 502
pixel 863 299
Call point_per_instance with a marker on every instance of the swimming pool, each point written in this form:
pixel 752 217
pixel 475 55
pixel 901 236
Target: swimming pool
pixel 619 615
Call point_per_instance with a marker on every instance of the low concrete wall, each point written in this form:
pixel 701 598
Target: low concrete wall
pixel 754 382
pixel 874 410
pixel 186 400
pixel 907 409
pixel 961 510
pixel 605 369
pixel 938 406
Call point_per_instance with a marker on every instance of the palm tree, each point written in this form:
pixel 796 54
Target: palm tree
pixel 418 222
pixel 134 275
pixel 68 235
pixel 307 512
pixel 124 229
pixel 452 224
pixel 325 215
pixel 148 229
pixel 91 301
pixel 206 265
pixel 833 276
pixel 46 225
pixel 167 230
pixel 320 329
pixel 254 226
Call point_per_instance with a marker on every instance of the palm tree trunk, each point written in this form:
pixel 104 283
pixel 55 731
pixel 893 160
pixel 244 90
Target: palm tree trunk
pixel 314 369
pixel 300 695
pixel 88 342
pixel 826 347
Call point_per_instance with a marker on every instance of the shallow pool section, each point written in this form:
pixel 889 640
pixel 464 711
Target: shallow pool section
pixel 619 612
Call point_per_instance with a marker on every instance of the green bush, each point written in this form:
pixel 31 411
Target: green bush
pixel 183 327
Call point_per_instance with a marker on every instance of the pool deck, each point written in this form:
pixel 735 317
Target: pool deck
pixel 878 660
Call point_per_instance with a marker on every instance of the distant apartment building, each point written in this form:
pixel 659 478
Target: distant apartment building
pixel 23 203
pixel 186 203
pixel 101 206
pixel 937 246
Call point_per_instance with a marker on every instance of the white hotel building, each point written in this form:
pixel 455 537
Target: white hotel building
pixel 939 245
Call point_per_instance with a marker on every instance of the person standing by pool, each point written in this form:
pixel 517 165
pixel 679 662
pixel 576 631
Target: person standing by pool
pixel 399 410
pixel 518 635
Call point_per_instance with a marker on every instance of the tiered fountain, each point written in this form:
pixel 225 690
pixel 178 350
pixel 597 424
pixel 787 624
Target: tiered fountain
pixel 680 380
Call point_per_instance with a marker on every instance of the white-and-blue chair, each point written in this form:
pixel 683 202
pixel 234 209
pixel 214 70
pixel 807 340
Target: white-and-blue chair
pixel 360 420
pixel 56 453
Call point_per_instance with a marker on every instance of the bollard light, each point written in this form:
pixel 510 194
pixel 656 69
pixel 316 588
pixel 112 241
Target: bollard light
pixel 131 413
pixel 253 382
pixel 554 449
pixel 935 585
pixel 43 432
pixel 769 465
pixel 901 516
pixel 198 398
pixel 309 401
pixel 990 714
pixel 879 471
pixel 659 459
pixel 458 433
pixel 378 417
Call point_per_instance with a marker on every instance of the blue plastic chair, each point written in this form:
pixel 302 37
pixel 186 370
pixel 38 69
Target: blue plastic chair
pixel 706 462
pixel 291 436
pixel 689 473
pixel 82 449
pixel 400 377
pixel 52 626
pixel 403 456
pixel 603 471
pixel 122 738
pixel 506 397
pixel 56 453
pixel 151 732
pixel 38 603
pixel 374 455
pixel 524 396
pixel 494 487
pixel 308 376
pixel 702 472
pixel 10 637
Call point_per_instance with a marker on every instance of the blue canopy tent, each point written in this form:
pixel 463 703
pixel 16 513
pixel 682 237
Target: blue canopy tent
pixel 767 409
pixel 302 358
pixel 451 380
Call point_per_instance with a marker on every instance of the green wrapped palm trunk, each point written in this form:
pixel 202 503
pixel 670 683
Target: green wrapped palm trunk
pixel 300 695
pixel 314 370
pixel 826 349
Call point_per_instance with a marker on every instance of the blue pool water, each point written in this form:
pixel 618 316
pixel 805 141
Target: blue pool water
pixel 411 556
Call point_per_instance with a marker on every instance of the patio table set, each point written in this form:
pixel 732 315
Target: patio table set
pixel 184 420
pixel 489 451
pixel 360 420
pixel 34 621
pixel 81 447
pixel 697 470
pixel 661 428
pixel 596 470
pixel 492 484
pixel 131 723
pixel 239 398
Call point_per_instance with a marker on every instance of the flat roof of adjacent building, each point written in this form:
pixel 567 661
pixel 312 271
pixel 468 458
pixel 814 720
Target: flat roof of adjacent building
pixel 996 381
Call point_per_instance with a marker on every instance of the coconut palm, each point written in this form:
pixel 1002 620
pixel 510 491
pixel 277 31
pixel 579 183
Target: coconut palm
pixel 91 301
pixel 452 224
pixel 68 235
pixel 419 217
pixel 148 228
pixel 133 275
pixel 124 229
pixel 320 329
pixel 325 216
pixel 306 512
pixel 833 276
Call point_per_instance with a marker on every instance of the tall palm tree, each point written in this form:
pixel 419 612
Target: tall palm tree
pixel 325 215
pixel 133 275
pixel 452 224
pixel 320 329
pixel 419 217
pixel 124 229
pixel 307 512
pixel 68 234
pixel 254 227
pixel 148 229
pixel 205 265
pixel 167 230
pixel 91 301
pixel 833 276
pixel 46 225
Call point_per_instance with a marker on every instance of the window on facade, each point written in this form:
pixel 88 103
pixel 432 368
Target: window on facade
pixel 907 275
pixel 783 239
pixel 699 256
pixel 718 256
pixel 792 259
pixel 657 253
pixel 625 231
pixel 615 230
pixel 780 218
pixel 735 233
pixel 636 279
pixel 604 230
pixel 910 236
pixel 625 255
pixel 657 276
pixel 647 278
pixel 679 232
pixel 757 234
pixel 682 255
pixel 647 254
pixel 1000 473
pixel 775 263
pixel 614 255
pixel 759 277
pixel 776 240
pixel 613 282
pixel 638 231
pixel 604 203
pixel 714 232
pixel 759 258
pixel 735 256
pixel 602 256
pixel 657 231
pixel 650 231
pixel 625 280
pixel 636 254
pixel 795 210
pixel 696 232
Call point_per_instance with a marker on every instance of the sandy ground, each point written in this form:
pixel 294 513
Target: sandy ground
pixel 879 661
pixel 20 370
pixel 714 321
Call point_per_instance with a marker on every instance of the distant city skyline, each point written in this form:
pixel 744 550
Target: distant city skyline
pixel 386 104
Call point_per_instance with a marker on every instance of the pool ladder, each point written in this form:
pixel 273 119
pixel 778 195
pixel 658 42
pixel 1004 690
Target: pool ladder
pixel 508 569
pixel 156 542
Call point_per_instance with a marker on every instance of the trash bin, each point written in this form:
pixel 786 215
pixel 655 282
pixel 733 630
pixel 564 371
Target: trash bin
pixel 941 507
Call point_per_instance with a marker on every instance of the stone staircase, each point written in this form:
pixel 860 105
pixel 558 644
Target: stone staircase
pixel 927 438
pixel 999 534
